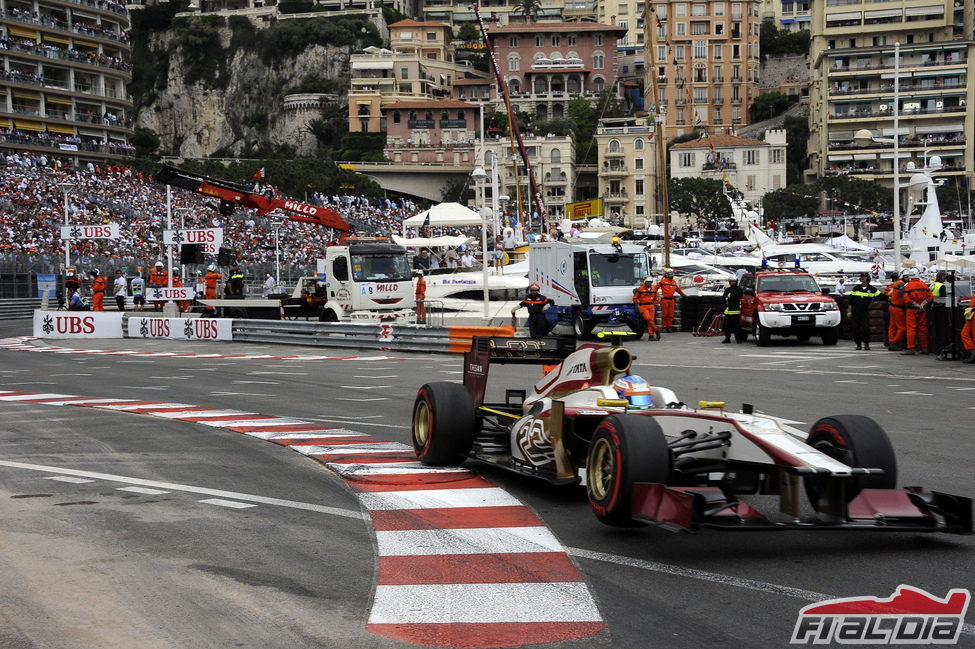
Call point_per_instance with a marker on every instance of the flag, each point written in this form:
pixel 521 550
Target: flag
pixel 258 174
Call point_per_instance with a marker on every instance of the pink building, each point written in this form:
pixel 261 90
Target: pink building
pixel 423 132
pixel 544 65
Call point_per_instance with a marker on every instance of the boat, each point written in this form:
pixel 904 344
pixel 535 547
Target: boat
pixel 928 239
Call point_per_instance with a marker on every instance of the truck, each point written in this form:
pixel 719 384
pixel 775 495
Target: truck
pixel 591 285
pixel 787 302
pixel 365 280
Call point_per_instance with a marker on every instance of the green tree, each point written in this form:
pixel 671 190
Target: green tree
pixel 457 190
pixel 701 197
pixel 585 117
pixel 796 138
pixel 855 195
pixel 146 142
pixel 791 202
pixel 776 42
pixel 527 8
pixel 770 104
pixel 469 33
pixel 329 129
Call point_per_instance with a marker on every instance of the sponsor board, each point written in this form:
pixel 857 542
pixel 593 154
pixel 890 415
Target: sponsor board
pixel 910 616
pixel 169 294
pixel 77 324
pixel 104 231
pixel 210 238
pixel 181 328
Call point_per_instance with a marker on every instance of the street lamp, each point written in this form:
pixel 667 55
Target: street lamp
pixel 864 136
pixel 66 187
pixel 480 176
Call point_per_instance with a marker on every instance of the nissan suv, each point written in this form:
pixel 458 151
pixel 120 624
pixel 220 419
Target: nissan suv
pixel 787 302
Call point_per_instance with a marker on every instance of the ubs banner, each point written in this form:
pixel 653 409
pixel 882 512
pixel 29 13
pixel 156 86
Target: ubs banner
pixel 48 324
pixel 181 328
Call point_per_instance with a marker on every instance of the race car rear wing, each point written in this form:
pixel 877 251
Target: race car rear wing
pixel 486 350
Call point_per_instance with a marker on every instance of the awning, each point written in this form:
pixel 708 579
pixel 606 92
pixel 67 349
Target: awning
pixel 926 11
pixel 850 15
pixel 91 133
pixel 55 39
pixel 890 156
pixel 952 154
pixel 54 128
pixel 884 13
pixel 24 125
pixel 939 73
pixel 59 100
pixel 840 135
pixel 840 157
pixel 19 94
pixel 864 156
pixel 21 33
pixel 85 44
pixel 940 128
pixel 903 130
pixel 372 65
pixel 902 75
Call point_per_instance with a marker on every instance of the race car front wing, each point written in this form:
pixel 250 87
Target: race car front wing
pixel 888 510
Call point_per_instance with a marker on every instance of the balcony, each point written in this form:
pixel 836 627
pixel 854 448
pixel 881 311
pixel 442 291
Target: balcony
pixel 719 166
pixel 561 179
pixel 614 154
pixel 615 197
pixel 869 113
pixel 420 123
pixel 717 101
pixel 614 170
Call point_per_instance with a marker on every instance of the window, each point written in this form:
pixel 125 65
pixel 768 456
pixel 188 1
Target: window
pixel 461 117
pixel 686 160
pixel 751 156
pixel 512 41
pixel 718 52
pixel 736 52
pixel 404 73
pixel 777 156
pixel 638 144
pixel 700 95
pixel 598 61
pixel 613 146
pixel 539 41
pixel 638 164
pixel 718 8
pixel 680 10
pixel 571 40
pixel 682 29
pixel 638 187
pixel 717 116
pixel 699 10
pixel 396 117
pixel 431 36
pixel 679 52
pixel 700 75
pixel 556 41
pixel 700 49
pixel 661 53
pixel 776 181
pixel 716 74
pixel 597 39
pixel 699 29
pixel 750 182
pixel 622 10
pixel 514 63
pixel 556 155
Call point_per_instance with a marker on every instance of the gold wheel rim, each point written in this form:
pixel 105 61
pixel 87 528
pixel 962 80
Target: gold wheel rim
pixel 601 472
pixel 421 424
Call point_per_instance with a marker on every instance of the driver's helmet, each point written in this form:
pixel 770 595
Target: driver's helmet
pixel 634 389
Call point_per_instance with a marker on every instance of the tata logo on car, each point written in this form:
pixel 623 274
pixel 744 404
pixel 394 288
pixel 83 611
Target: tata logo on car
pixel 301 208
pixel 578 368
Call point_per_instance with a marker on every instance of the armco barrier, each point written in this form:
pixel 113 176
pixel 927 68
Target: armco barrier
pixel 412 338
pixel 18 309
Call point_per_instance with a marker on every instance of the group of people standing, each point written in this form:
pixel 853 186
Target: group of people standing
pixel 648 295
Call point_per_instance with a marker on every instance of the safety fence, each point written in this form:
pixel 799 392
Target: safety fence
pixel 18 309
pixel 379 336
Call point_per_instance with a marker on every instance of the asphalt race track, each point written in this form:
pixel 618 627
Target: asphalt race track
pixel 137 529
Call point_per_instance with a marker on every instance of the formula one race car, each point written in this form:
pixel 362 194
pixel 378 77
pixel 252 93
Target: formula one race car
pixel 646 457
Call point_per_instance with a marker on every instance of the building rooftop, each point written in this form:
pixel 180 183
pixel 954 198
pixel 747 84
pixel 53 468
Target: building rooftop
pixel 719 141
pixel 444 103
pixel 409 22
pixel 556 27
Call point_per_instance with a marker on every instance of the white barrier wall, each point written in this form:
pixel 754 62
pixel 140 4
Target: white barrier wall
pixel 181 328
pixel 77 324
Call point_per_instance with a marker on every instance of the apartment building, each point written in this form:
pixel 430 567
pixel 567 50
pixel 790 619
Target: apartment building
pixel 788 15
pixel 753 167
pixel 853 70
pixel 64 76
pixel 418 66
pixel 626 168
pixel 553 162
pixel 705 60
pixel 497 12
pixel 546 65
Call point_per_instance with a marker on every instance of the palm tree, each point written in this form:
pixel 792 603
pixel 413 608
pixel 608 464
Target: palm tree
pixel 528 8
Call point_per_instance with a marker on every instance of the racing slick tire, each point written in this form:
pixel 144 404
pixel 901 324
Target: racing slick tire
pixel 830 336
pixel 581 329
pixel 763 336
pixel 624 450
pixel 443 424
pixel 856 441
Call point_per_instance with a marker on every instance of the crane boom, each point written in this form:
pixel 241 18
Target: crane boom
pixel 512 120
pixel 231 193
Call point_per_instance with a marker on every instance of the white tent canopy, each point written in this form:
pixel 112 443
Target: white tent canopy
pixel 444 214
pixel 432 242
pixel 845 242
